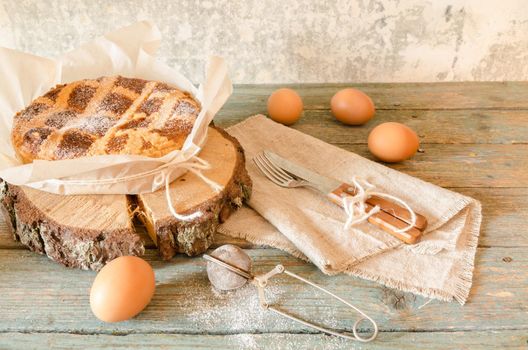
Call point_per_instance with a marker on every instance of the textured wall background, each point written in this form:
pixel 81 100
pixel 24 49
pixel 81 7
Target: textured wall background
pixel 298 40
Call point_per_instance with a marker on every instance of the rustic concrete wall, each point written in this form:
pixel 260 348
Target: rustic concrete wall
pixel 298 40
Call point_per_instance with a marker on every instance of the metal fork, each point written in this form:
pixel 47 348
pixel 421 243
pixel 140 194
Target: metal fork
pixel 277 175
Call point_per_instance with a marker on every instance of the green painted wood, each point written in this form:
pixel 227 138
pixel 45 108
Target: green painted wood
pixel 504 216
pixel 509 339
pixel 251 99
pixel 40 295
pixel 433 126
pixel 462 165
pixel 453 166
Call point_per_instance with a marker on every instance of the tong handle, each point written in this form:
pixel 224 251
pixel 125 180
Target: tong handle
pixel 386 219
pixel 261 282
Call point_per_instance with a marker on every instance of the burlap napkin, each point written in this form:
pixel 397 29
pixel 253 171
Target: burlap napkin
pixel 307 225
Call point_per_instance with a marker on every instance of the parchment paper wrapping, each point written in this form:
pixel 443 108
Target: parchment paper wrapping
pixel 130 52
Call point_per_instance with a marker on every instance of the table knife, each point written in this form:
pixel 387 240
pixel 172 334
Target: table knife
pixel 390 218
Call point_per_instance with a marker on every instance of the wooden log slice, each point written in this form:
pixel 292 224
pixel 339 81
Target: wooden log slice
pixel 190 194
pixel 82 231
pixel 86 231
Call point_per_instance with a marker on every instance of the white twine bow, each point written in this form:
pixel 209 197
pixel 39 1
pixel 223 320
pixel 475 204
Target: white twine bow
pixel 194 165
pixel 355 206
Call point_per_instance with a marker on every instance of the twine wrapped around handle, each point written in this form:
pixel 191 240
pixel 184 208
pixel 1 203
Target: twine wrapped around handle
pixel 355 206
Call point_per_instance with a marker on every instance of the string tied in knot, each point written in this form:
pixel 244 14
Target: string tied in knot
pixel 195 165
pixel 356 208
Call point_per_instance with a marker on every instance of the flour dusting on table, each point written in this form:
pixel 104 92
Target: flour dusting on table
pixel 239 310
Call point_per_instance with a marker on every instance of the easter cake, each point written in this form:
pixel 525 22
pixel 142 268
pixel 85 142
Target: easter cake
pixel 108 115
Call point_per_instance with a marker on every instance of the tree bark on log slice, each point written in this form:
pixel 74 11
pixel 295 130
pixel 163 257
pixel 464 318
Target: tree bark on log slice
pixel 190 194
pixel 87 231
pixel 82 231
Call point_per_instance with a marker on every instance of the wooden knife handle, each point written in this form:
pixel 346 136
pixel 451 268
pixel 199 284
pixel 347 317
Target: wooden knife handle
pixel 381 219
pixel 398 211
pixel 387 206
pixel 390 224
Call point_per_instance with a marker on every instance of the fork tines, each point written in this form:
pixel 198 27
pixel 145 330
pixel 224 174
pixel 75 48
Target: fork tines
pixel 271 171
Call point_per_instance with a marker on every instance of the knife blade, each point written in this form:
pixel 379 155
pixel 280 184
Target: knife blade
pixel 335 189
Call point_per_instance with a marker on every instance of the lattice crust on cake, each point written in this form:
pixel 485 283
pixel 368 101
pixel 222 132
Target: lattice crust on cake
pixel 108 115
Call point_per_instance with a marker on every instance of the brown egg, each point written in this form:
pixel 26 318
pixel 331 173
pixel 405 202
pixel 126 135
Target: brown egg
pixel 122 289
pixel 285 106
pixel 351 106
pixel 393 142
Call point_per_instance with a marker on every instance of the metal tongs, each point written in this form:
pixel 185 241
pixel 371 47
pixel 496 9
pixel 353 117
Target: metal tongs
pixel 261 282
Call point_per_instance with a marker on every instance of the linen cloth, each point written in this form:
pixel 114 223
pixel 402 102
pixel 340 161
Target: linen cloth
pixel 306 224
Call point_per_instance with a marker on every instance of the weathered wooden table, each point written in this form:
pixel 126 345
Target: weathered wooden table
pixel 475 141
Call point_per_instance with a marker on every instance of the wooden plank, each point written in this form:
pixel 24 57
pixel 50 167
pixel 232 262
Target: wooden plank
pixel 444 161
pixel 41 296
pixel 504 215
pixel 505 220
pixel 463 165
pixel 433 126
pixel 508 339
pixel 251 99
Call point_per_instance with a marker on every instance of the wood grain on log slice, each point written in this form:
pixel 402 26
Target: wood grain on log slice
pixel 191 194
pixel 86 231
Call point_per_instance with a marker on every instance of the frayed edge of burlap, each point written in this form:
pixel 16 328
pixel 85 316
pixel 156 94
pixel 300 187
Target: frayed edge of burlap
pixel 465 277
